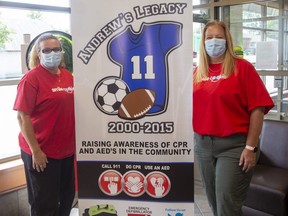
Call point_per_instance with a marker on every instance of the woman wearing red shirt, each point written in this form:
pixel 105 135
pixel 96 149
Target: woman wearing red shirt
pixel 229 103
pixel 45 108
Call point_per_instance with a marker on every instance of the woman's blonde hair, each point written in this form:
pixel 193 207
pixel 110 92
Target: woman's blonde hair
pixel 228 66
pixel 36 49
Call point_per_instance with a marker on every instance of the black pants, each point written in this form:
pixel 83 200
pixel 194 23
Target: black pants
pixel 50 193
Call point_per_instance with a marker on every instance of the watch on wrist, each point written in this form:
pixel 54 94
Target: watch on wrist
pixel 253 149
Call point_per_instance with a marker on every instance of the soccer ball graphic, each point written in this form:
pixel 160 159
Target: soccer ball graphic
pixel 109 93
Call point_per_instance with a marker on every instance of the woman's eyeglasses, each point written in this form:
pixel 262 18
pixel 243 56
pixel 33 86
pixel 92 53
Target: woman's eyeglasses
pixel 49 50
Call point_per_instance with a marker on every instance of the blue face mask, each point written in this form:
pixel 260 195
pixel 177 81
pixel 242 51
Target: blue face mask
pixel 51 60
pixel 215 47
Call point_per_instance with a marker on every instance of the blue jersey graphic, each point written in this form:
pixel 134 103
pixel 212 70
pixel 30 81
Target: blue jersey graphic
pixel 142 57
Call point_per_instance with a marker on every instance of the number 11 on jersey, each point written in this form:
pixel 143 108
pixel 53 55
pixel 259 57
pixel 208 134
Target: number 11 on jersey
pixel 149 73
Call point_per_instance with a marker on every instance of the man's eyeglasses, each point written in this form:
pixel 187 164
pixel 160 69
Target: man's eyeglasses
pixel 49 50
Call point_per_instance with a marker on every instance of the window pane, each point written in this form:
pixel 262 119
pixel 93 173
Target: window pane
pixel 199 2
pixel 272 36
pixel 285 42
pixel 251 11
pixel 15 23
pixel 272 12
pixel 250 39
pixel 250 24
pixel 269 83
pixel 273 24
pixel 201 16
pixel 60 3
pixel 9 128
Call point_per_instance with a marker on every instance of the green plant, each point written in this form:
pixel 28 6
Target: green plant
pixel 4 35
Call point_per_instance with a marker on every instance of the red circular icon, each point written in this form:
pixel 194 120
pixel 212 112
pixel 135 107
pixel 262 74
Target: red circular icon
pixel 110 182
pixel 134 183
pixel 158 184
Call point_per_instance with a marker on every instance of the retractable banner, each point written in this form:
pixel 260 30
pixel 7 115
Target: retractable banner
pixel 132 65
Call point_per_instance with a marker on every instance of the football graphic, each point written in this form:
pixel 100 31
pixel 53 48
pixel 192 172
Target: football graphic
pixel 136 104
pixel 109 93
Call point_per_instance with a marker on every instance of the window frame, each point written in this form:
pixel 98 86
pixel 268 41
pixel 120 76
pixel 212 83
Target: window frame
pixel 9 4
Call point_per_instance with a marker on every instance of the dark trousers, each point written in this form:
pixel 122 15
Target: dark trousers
pixel 50 193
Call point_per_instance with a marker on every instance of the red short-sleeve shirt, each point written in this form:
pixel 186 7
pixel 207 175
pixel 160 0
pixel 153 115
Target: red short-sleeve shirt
pixel 49 100
pixel 222 106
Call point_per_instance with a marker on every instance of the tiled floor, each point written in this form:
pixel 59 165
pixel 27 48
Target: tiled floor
pixel 14 203
pixel 74 212
pixel 201 204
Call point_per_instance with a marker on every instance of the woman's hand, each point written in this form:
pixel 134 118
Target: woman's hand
pixel 39 160
pixel 247 160
pixel 248 157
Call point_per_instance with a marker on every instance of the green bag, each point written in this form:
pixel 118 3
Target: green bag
pixel 100 210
